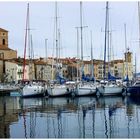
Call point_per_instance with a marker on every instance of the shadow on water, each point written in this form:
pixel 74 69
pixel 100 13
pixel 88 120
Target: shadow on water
pixel 81 117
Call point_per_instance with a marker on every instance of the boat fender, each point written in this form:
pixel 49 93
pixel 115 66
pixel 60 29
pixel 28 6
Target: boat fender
pixel 123 90
pixel 51 86
pixel 97 93
pixel 67 89
pixel 42 90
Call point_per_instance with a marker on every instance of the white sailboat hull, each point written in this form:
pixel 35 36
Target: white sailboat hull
pixel 60 90
pixel 8 88
pixel 83 90
pixel 33 90
pixel 110 90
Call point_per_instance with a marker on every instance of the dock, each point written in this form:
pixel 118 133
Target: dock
pixel 6 89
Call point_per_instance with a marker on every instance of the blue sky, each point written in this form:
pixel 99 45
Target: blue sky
pixel 13 16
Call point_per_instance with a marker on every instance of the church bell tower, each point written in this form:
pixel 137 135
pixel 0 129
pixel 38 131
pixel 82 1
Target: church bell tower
pixel 3 39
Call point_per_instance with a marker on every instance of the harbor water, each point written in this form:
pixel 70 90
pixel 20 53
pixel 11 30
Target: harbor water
pixel 81 117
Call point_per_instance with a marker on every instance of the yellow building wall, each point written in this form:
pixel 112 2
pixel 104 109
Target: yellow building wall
pixel 87 69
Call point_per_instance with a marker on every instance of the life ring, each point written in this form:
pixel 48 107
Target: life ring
pixel 51 86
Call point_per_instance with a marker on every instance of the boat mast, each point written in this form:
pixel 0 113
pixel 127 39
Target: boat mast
pixel 46 40
pixel 126 50
pixel 55 43
pixel 135 67
pixel 59 53
pixel 139 20
pixel 92 67
pixel 108 39
pixel 56 33
pixel 77 53
pixel 81 27
pixel 111 51
pixel 57 40
pixel 25 42
pixel 46 51
pixel 81 22
pixel 30 47
pixel 59 46
pixel 139 34
pixel 105 40
pixel 31 68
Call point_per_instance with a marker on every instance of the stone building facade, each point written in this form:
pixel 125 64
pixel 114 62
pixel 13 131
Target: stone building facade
pixel 5 51
pixel 14 71
pixel 1 70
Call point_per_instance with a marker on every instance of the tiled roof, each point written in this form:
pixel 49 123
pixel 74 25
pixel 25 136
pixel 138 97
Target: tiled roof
pixel 3 30
pixel 118 61
pixel 40 63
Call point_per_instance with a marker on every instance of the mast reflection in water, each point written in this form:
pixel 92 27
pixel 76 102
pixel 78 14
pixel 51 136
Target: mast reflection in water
pixel 83 117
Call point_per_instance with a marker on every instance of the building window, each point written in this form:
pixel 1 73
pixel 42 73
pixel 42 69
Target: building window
pixel 2 55
pixel 3 41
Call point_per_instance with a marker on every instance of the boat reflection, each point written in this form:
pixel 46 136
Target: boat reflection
pixel 71 118
pixel 8 114
pixel 134 100
pixel 82 117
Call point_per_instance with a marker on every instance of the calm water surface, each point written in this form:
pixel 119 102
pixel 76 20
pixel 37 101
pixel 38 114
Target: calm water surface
pixel 84 117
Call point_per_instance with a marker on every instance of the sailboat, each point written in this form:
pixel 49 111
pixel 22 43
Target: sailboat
pixel 107 87
pixel 134 90
pixel 83 88
pixel 58 89
pixel 32 89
